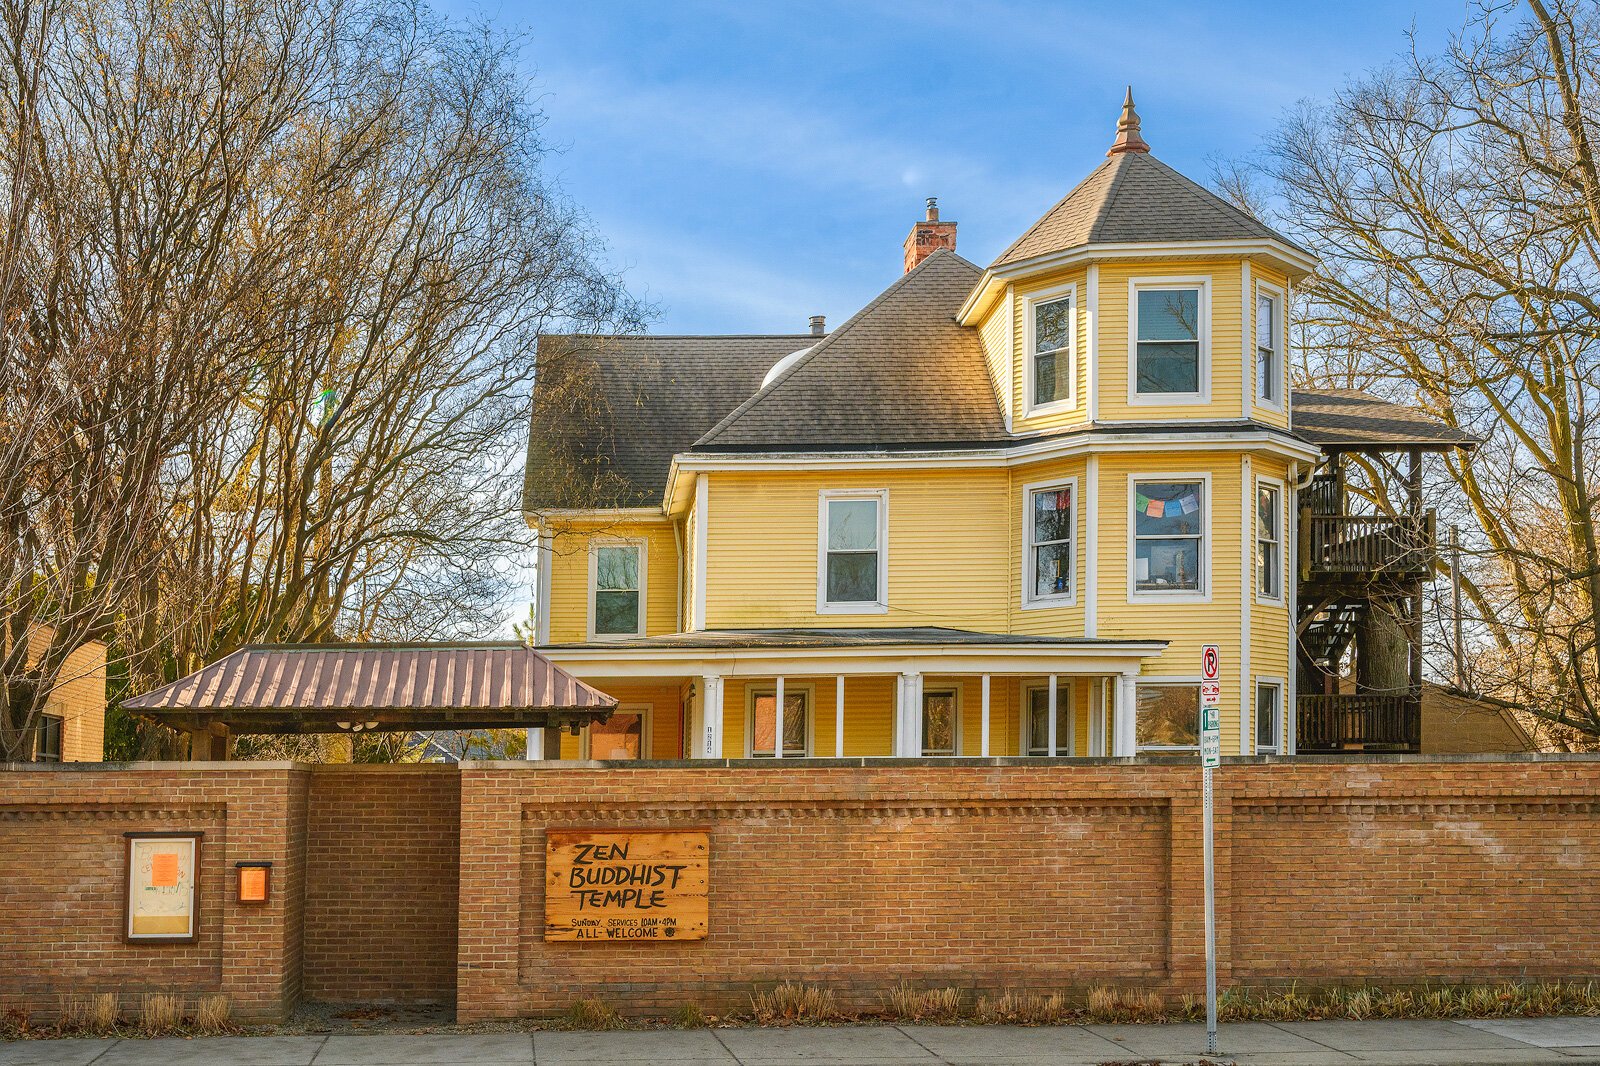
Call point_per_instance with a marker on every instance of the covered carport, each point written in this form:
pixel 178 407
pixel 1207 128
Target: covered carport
pixel 358 688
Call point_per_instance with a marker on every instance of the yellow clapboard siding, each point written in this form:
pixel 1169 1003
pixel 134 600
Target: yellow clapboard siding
pixel 662 698
pixel 569 575
pixel 995 335
pixel 1225 342
pixel 948 544
pixel 1076 413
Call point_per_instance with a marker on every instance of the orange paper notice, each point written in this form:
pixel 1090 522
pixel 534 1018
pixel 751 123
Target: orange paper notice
pixel 252 884
pixel 164 869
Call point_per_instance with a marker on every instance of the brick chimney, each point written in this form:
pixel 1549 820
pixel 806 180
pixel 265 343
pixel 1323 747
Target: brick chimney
pixel 928 236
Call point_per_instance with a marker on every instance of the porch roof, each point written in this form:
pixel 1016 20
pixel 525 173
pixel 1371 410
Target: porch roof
pixel 325 688
pixel 864 649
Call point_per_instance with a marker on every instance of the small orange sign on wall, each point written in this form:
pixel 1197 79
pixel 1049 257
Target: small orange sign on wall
pixel 253 881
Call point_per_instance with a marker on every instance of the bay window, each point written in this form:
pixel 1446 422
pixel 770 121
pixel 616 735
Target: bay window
pixel 1049 338
pixel 1269 542
pixel 1269 720
pixel 1048 576
pixel 1169 530
pixel 1269 360
pixel 1169 338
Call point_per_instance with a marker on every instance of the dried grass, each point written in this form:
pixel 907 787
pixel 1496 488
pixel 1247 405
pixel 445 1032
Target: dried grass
pixel 1126 1005
pixel 593 1014
pixel 907 1003
pixel 159 1013
pixel 1024 1008
pixel 1507 1000
pixel 211 1015
pixel 690 1016
pixel 793 1001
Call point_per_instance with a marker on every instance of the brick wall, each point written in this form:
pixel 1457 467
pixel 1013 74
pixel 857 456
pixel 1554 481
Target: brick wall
pixel 981 875
pixel 62 870
pixel 381 886
pixel 1045 876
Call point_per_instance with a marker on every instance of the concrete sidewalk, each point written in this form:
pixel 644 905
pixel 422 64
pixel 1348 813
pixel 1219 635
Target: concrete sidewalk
pixel 1466 1043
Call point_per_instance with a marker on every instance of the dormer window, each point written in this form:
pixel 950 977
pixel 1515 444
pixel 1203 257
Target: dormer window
pixel 1049 332
pixel 1169 340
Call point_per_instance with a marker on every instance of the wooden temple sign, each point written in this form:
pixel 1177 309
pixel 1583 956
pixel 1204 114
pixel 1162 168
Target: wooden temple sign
pixel 625 884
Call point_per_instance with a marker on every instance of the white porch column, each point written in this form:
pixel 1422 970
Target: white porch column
pixel 710 745
pixel 1097 717
pixel 535 749
pixel 908 719
pixel 984 750
pixel 777 743
pixel 838 717
pixel 1124 736
pixel 1050 713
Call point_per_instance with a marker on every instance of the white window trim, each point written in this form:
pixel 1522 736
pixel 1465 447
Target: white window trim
pixel 1283 541
pixel 595 544
pixel 1282 340
pixel 1029 302
pixel 1066 689
pixel 645 711
pixel 1161 399
pixel 881 604
pixel 955 688
pixel 1283 726
pixel 1069 598
pixel 770 688
pixel 1185 681
pixel 1208 506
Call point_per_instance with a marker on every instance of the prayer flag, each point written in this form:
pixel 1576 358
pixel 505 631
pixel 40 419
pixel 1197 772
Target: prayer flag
pixel 1157 508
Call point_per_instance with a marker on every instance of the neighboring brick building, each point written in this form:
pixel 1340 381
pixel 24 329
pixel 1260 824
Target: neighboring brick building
pixel 72 727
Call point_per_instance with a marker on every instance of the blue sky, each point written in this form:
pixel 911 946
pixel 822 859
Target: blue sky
pixel 753 163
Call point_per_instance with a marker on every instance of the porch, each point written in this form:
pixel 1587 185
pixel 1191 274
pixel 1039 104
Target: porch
pixel 908 693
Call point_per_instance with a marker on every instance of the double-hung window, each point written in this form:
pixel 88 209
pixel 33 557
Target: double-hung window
pixel 1169 357
pixel 1050 348
pixel 1269 360
pixel 853 565
pixel 1167 716
pixel 1269 721
pixel 939 725
pixel 1169 524
pixel 1269 542
pixel 616 572
pixel 1049 571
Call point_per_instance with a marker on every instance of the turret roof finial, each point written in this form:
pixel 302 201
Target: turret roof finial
pixel 1128 139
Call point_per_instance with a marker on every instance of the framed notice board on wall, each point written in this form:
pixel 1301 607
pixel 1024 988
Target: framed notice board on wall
pixel 163 888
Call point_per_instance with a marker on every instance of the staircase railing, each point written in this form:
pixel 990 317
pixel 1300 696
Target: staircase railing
pixel 1355 721
pixel 1375 545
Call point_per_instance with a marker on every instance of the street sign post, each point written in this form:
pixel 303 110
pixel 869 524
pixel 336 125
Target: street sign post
pixel 1210 757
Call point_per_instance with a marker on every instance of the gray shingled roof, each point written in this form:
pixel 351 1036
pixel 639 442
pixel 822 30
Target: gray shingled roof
pixel 901 372
pixel 1350 419
pixel 610 412
pixel 1133 197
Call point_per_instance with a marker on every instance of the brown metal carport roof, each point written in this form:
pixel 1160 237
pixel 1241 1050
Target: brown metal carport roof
pixel 329 688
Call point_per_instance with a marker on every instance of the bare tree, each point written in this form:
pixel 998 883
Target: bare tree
pixel 1455 203
pixel 272 276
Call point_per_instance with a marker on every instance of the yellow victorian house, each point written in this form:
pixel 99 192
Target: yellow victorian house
pixel 997 512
